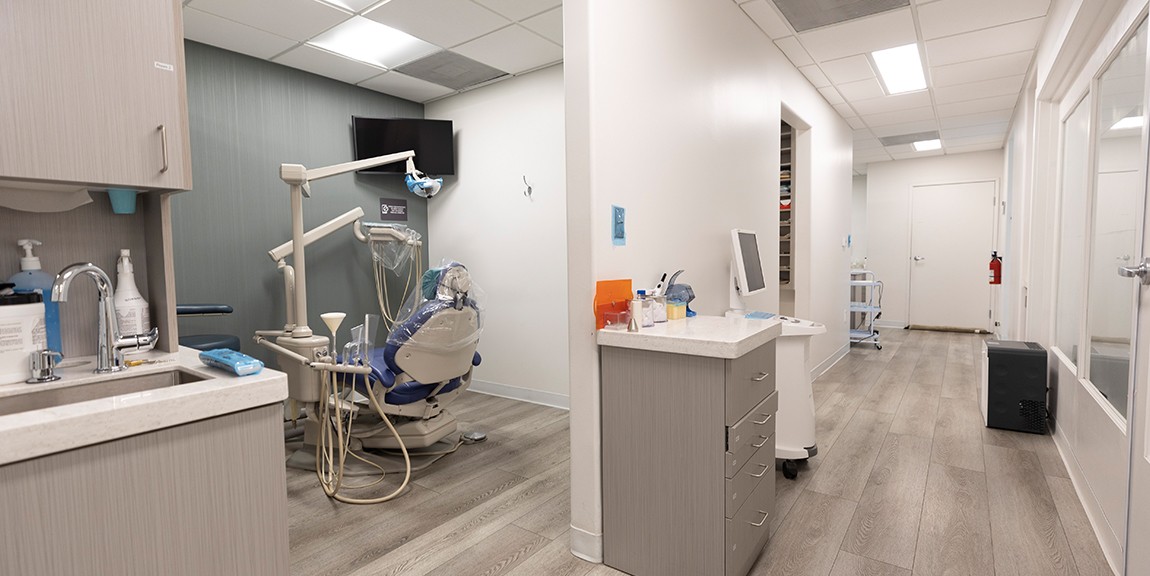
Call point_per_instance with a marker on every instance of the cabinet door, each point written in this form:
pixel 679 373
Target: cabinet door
pixel 87 87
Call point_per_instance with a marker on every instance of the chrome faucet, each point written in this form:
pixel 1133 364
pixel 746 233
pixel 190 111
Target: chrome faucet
pixel 110 344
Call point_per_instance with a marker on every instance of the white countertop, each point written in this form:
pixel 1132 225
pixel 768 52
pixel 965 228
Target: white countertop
pixel 45 431
pixel 712 336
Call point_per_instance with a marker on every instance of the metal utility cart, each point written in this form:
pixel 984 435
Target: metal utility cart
pixel 866 307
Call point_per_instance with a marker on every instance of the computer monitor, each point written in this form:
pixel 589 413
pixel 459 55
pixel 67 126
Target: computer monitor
pixel 746 267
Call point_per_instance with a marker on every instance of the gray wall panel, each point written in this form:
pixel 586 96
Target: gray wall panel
pixel 247 117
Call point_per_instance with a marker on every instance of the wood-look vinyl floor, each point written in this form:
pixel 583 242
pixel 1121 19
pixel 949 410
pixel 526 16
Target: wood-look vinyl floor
pixel 907 482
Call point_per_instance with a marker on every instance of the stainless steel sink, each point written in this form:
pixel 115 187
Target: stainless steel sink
pixel 127 384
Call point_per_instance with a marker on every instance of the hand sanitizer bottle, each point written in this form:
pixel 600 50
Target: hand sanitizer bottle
pixel 32 279
pixel 131 308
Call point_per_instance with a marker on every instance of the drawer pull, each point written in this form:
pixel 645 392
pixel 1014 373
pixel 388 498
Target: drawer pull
pixel 764 421
pixel 762 376
pixel 761 472
pixel 164 145
pixel 761 522
pixel 760 444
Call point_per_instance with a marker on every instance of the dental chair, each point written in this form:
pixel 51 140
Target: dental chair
pixel 427 363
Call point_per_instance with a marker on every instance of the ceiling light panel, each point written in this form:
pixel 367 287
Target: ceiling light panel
pixel 371 42
pixel 350 5
pixel 950 17
pixel 295 19
pixel 806 15
pixel 982 44
pixel 454 21
pixel 1128 123
pixel 928 145
pixel 900 69
pixel 861 36
pixel 763 13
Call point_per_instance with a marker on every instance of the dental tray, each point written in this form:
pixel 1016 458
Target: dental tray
pixel 236 362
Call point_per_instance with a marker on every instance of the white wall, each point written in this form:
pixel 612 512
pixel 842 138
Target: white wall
pixel 515 246
pixel 858 222
pixel 673 111
pixel 889 216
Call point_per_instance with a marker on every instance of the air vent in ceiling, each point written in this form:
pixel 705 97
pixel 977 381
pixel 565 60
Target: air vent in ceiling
pixel 807 14
pixel 449 69
pixel 908 138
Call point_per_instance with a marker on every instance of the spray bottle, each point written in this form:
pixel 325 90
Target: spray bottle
pixel 32 279
pixel 131 308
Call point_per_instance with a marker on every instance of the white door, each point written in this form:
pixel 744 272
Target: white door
pixel 952 232
pixel 1138 527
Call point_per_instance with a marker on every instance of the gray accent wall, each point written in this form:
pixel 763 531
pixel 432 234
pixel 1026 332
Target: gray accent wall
pixel 248 116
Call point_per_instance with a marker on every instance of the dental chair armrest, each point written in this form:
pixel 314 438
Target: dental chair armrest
pixel 476 360
pixel 386 377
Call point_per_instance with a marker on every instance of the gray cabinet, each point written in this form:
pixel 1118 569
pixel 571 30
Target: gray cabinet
pixel 688 460
pixel 94 94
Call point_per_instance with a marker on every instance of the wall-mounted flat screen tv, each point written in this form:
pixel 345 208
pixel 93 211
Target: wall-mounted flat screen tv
pixel 432 141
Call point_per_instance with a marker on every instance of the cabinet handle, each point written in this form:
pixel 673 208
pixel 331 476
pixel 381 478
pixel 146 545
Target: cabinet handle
pixel 761 472
pixel 760 444
pixel 764 421
pixel 761 522
pixel 762 376
pixel 164 145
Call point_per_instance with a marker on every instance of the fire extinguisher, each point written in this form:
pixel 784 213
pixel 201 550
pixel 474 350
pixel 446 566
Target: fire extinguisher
pixel 995 268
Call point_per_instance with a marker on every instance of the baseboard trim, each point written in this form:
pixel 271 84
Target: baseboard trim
pixel 889 324
pixel 830 361
pixel 542 397
pixel 1111 547
pixel 586 545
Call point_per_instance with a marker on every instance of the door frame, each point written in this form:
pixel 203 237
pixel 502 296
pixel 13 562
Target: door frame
pixel 997 182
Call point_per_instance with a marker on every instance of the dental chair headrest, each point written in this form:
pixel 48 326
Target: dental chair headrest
pixel 450 283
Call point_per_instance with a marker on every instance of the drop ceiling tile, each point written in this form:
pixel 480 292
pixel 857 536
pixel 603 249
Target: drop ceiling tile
pixel 885 30
pixel 872 156
pixel 892 103
pixel 997 117
pixel 455 21
pixel 998 129
pixel 844 110
pixel 223 33
pixel 907 128
pixel 976 106
pixel 768 19
pixel 997 41
pixel 899 116
pixel 860 135
pixel 831 95
pixel 868 143
pixel 294 19
pixel 520 9
pixel 512 49
pixel 816 76
pixel 1011 85
pixel 915 154
pixel 406 87
pixel 856 123
pixel 861 90
pixel 986 69
pixel 548 25
pixel 996 139
pixel 849 69
pixel 351 5
pixel 794 51
pixel 972 148
pixel 950 17
pixel 324 63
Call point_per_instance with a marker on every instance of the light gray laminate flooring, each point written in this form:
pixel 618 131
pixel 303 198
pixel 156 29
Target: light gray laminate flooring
pixel 907 481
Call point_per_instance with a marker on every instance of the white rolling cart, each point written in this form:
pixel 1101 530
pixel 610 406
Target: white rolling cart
pixel 866 307
pixel 795 431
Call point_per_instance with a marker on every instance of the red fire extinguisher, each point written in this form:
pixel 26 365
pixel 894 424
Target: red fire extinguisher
pixel 995 268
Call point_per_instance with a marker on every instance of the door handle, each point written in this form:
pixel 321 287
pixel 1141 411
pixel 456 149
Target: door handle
pixel 164 145
pixel 1142 271
pixel 919 258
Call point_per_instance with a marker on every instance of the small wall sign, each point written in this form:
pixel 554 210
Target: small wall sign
pixel 393 210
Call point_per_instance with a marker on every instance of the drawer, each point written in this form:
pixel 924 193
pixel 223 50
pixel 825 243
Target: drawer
pixel 756 425
pixel 747 532
pixel 739 488
pixel 749 379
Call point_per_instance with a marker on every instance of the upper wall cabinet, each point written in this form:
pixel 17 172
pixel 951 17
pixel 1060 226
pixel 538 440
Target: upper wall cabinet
pixel 93 94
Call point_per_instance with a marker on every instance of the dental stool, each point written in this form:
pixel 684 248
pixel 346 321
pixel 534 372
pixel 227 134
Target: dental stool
pixel 426 365
pixel 207 341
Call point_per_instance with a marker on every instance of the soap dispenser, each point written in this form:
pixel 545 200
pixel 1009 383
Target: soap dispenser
pixel 32 279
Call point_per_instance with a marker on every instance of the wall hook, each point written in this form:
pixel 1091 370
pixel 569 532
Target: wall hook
pixel 528 191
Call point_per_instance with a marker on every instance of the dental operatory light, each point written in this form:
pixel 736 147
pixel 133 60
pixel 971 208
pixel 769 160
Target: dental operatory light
pixel 369 41
pixel 900 69
pixel 1128 123
pixel 927 145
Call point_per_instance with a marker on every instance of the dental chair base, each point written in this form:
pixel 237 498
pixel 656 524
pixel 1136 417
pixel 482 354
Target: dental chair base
pixel 416 433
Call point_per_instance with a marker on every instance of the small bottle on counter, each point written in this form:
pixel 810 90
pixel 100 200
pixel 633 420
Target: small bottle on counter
pixel 131 308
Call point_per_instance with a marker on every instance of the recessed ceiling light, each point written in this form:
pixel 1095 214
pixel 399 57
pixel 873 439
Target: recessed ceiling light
pixel 926 145
pixel 1128 123
pixel 900 69
pixel 369 41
